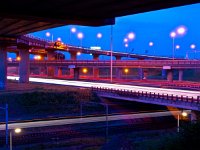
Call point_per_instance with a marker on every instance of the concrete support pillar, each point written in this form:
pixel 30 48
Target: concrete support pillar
pixel 118 73
pixel 76 73
pixel 72 55
pixel 59 71
pixel 24 68
pixel 118 57
pixel 140 73
pixel 95 72
pixel 193 116
pixel 145 74
pixel 95 56
pixel 170 75
pixel 3 68
pixel 180 75
pixel 50 70
pixel 163 73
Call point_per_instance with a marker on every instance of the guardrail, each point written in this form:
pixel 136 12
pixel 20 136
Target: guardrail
pixel 138 94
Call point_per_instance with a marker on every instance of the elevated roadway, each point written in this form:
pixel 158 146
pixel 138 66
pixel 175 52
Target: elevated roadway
pixel 163 64
pixel 79 120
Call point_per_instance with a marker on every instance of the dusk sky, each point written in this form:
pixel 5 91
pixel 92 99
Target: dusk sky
pixel 148 27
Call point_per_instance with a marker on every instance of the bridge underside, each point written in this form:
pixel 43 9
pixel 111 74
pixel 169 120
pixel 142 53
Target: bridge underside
pixel 23 17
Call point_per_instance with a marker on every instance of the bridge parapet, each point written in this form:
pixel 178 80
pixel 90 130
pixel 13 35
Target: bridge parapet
pixel 179 101
pixel 32 41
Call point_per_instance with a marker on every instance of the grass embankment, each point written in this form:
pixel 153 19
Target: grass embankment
pixel 41 101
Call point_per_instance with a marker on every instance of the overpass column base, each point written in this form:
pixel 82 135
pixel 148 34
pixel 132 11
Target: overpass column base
pixel 118 73
pixel 3 68
pixel 95 73
pixel 59 71
pixel 170 75
pixel 50 70
pixel 76 73
pixel 163 74
pixel 180 75
pixel 140 73
pixel 24 66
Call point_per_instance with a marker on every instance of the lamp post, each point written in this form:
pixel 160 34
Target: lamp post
pixel 111 53
pixel 126 70
pixel 72 30
pixel 6 121
pixel 193 46
pixel 183 114
pixel 48 34
pixel 99 36
pixel 173 35
pixel 151 44
pixel 80 36
pixel 17 131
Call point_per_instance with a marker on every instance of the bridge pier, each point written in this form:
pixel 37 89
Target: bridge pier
pixel 24 68
pixel 163 73
pixel 118 73
pixel 72 55
pixel 145 74
pixel 140 73
pixel 76 73
pixel 50 70
pixel 170 75
pixel 59 71
pixel 118 57
pixel 3 68
pixel 96 70
pixel 95 56
pixel 180 75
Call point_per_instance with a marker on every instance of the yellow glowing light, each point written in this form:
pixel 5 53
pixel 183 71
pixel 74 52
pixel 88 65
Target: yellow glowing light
pixel 126 70
pixel 18 58
pixel 18 130
pixel 85 70
pixel 184 114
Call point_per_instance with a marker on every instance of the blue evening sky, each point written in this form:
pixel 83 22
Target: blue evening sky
pixel 154 26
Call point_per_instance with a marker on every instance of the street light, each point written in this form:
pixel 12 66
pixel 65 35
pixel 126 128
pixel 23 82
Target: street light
pixel 173 35
pixel 183 114
pixel 6 121
pixel 126 70
pixel 99 36
pixel 80 36
pixel 48 34
pixel 151 44
pixel 17 131
pixel 72 30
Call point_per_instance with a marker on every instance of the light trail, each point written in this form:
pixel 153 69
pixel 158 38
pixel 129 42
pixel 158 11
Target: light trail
pixel 155 90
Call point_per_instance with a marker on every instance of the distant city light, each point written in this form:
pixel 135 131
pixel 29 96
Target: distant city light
pixel 177 46
pixel 192 46
pixel 173 34
pixel 131 35
pixel 99 35
pixel 73 30
pixel 150 43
